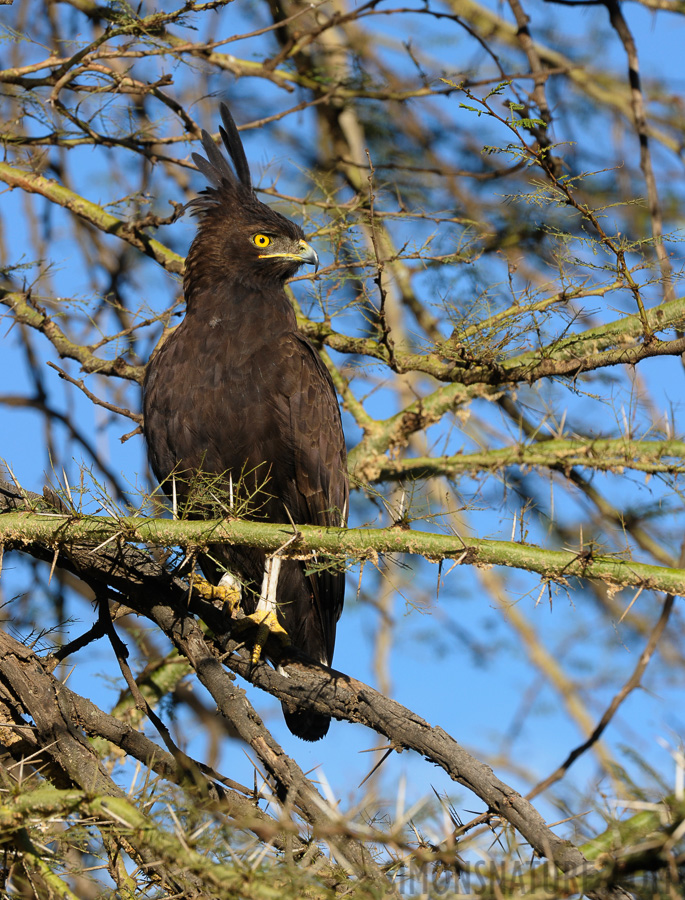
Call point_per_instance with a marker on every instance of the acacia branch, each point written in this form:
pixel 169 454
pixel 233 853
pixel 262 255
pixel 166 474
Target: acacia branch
pixel 36 695
pixel 62 531
pixel 613 343
pixel 601 454
pixel 153 593
pixel 165 855
pixel 566 357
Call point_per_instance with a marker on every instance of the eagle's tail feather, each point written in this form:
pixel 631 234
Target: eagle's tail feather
pixel 309 726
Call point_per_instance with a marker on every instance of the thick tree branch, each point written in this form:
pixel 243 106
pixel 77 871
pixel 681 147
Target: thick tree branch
pixel 38 696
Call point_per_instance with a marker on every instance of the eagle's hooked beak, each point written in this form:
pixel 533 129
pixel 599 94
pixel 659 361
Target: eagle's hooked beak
pixel 309 255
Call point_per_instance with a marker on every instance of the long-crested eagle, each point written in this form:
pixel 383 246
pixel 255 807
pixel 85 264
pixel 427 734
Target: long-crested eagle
pixel 237 394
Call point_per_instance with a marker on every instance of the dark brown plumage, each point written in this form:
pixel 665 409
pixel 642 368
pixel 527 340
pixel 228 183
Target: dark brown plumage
pixel 237 392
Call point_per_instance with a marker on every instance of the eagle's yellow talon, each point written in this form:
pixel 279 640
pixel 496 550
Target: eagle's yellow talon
pixel 268 626
pixel 228 596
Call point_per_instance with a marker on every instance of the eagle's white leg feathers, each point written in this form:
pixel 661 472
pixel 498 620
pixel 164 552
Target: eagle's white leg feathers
pixel 230 582
pixel 272 569
pixel 265 616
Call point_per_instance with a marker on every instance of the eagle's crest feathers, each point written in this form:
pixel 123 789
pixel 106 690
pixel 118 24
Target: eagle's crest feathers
pixel 234 145
pixel 225 184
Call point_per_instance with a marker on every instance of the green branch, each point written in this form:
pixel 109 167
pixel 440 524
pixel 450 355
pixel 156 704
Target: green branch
pixel 566 357
pixel 21 528
pixel 121 818
pixel 614 343
pixel 605 455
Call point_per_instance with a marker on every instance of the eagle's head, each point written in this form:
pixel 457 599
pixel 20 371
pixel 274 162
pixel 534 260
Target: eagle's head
pixel 239 238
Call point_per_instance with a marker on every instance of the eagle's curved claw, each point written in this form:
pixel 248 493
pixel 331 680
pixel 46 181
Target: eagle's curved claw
pixel 228 594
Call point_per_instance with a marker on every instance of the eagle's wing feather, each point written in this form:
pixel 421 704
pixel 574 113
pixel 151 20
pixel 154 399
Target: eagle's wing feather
pixel 320 476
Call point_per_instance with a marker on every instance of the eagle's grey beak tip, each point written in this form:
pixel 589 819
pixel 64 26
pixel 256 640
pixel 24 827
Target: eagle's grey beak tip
pixel 310 256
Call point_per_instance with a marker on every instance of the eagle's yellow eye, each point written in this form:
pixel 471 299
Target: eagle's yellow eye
pixel 261 240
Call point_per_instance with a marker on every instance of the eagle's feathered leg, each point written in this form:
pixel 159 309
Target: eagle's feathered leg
pixel 265 617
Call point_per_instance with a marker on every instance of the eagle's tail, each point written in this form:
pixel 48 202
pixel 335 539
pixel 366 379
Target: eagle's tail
pixel 309 726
